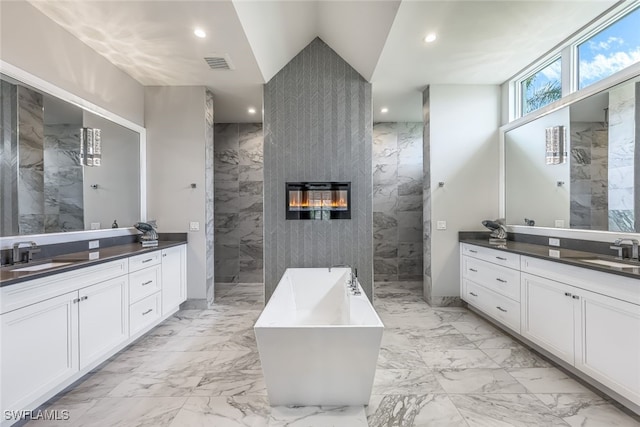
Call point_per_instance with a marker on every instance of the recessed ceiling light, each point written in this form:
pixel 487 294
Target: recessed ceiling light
pixel 430 38
pixel 384 110
pixel 251 110
pixel 199 32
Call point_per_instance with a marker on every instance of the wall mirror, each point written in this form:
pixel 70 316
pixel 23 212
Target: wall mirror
pixel 597 185
pixel 44 186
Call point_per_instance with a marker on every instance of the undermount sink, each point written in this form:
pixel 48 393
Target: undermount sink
pixel 610 263
pixel 39 267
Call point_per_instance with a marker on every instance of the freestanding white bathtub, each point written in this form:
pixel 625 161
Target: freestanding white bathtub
pixel 318 343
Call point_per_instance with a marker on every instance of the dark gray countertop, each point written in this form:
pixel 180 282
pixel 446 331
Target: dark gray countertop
pixel 79 260
pixel 567 256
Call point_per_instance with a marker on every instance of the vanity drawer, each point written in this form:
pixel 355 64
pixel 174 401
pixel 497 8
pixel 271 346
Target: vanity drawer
pixel 503 258
pixel 143 261
pixel 504 281
pixel 145 282
pixel 503 309
pixel 144 313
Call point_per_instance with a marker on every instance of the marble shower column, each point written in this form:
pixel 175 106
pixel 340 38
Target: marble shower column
pixel 208 176
pixel 30 161
pixel 426 198
pixel 8 160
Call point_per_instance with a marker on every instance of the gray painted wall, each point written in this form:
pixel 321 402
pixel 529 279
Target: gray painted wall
pixel 317 127
pixel 238 181
pixel 397 202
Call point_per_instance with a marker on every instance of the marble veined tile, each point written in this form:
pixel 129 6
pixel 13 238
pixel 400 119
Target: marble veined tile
pixel 231 383
pixel 405 381
pixel 393 359
pixel 455 359
pixel 166 384
pixel 225 411
pixel 586 410
pixel 413 410
pixel 133 411
pixel 76 411
pixel 546 380
pixel 178 361
pixel 318 416
pixel 478 381
pixel 504 410
pixel 516 358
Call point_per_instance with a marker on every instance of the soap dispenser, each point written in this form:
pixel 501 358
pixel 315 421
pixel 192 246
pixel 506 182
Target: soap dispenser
pixel 115 224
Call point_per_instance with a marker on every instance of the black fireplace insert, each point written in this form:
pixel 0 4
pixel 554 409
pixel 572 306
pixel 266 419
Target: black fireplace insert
pixel 318 200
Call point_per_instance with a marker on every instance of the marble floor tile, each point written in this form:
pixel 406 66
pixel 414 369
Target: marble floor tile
pixel 516 358
pixel 178 361
pixel 413 410
pixel 231 383
pixel 318 416
pixel 132 412
pixel 239 360
pixel 444 342
pixel 504 410
pixel 478 381
pixel 457 359
pixel 165 384
pixel 93 386
pixel 229 411
pixel 405 381
pixel 587 410
pixel 547 380
pixel 394 359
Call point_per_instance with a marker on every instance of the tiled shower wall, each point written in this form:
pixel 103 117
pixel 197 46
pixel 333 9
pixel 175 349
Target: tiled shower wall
pixel 588 187
pixel 238 182
pixel 397 201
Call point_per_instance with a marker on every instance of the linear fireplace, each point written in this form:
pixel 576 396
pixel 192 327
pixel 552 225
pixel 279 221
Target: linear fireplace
pixel 318 200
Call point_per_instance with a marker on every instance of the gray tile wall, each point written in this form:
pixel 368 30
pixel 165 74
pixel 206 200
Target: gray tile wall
pixel 426 198
pixel 317 127
pixel 209 198
pixel 238 179
pixel 30 161
pixel 63 179
pixel 588 170
pixel 8 160
pixel 397 201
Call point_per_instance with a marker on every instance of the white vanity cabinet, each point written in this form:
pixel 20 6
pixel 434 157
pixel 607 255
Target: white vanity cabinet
pixel 491 282
pixel 174 278
pixel 55 329
pixel 589 319
pixel 38 349
pixel 47 340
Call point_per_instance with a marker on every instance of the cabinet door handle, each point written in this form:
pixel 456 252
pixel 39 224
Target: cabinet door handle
pixel 147 282
pixel 147 260
pixel 164 255
pixel 501 258
pixel 76 300
pixel 575 297
pixel 475 295
pixel 501 309
pixel 147 312
pixel 567 294
pixel 501 280
pixel 84 298
pixel 473 269
pixel 472 251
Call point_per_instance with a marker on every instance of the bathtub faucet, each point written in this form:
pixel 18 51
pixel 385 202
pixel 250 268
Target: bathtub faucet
pixel 354 274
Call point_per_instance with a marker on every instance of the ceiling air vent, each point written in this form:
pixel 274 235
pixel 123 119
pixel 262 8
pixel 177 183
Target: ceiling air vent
pixel 219 62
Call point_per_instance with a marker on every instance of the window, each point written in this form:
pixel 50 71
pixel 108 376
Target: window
pixel 610 50
pixel 541 88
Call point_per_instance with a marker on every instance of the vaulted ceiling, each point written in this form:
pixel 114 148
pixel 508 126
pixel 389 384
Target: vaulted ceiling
pixel 479 42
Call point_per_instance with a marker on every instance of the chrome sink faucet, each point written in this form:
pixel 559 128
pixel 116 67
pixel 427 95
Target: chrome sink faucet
pixel 33 249
pixel 634 250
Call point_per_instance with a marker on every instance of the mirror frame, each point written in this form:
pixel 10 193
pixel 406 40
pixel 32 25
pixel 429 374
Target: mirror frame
pixel 622 76
pixel 51 89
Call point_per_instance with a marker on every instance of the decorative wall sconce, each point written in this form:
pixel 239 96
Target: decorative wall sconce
pixel 556 147
pixel 90 147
